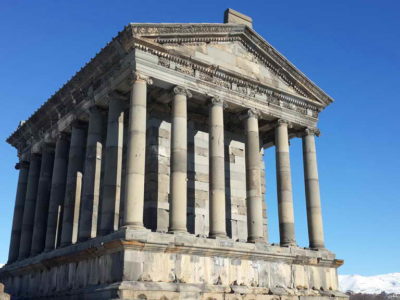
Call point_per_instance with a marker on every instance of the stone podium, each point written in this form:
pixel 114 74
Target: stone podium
pixel 143 176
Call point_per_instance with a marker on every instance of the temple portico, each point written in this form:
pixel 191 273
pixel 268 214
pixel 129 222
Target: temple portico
pixel 152 172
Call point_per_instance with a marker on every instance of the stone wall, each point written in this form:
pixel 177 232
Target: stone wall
pixel 158 171
pixel 132 263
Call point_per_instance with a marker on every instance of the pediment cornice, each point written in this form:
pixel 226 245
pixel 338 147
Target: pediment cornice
pixel 163 34
pixel 111 60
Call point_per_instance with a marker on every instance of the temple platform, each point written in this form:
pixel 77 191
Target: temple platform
pixel 139 264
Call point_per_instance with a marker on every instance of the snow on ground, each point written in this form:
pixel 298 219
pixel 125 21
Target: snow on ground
pixel 388 283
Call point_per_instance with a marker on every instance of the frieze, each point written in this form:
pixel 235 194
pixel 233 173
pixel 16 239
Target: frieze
pixel 152 29
pixel 222 79
pixel 258 46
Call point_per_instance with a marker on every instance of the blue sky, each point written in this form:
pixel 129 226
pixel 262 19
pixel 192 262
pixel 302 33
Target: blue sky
pixel 350 48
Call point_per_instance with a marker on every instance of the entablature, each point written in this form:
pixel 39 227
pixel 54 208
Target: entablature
pixel 140 47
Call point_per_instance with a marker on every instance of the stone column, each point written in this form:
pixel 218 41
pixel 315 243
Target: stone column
pixel 73 185
pixel 109 217
pixel 29 207
pixel 23 167
pixel 42 201
pixel 284 183
pixel 253 178
pixel 136 154
pixel 178 179
pixel 57 191
pixel 92 174
pixel 217 169
pixel 314 216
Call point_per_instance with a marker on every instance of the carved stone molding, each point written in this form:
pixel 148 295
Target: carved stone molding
pixel 78 123
pixel 22 165
pixel 224 79
pixel 216 101
pixel 179 90
pixel 48 147
pixel 137 76
pixel 63 136
pixel 214 33
pixel 251 113
pixel 281 122
pixel 312 131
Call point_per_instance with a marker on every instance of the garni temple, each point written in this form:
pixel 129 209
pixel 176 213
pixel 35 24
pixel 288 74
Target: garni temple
pixel 143 176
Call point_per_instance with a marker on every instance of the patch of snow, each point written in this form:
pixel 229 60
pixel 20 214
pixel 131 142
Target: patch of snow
pixel 388 283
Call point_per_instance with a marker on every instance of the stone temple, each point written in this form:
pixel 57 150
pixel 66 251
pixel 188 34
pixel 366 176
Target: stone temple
pixel 143 176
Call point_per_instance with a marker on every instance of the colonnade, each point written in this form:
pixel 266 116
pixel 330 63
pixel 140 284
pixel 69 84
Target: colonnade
pixel 58 193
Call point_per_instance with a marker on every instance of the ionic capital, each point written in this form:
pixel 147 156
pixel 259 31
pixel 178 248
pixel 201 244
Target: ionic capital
pixel 312 131
pixel 48 147
pixel 36 149
pixel 22 165
pixel 94 108
pixel 78 123
pixel 136 76
pixel 179 90
pixel 62 135
pixel 250 113
pixel 216 101
pixel 284 122
pixel 253 113
pixel 114 95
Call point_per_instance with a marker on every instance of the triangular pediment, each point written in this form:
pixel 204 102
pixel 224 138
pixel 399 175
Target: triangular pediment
pixel 233 56
pixel 236 48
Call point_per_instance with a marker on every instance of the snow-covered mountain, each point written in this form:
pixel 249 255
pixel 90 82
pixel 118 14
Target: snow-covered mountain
pixel 388 283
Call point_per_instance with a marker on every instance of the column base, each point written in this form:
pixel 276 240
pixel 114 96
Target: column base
pixel 288 244
pixel 317 248
pixel 253 240
pixel 177 230
pixel 218 235
pixel 135 226
pixel 136 264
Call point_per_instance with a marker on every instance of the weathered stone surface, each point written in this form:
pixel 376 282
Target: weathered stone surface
pixel 139 260
pixel 3 296
pixel 192 179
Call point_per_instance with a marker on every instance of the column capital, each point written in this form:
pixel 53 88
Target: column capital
pixel 36 149
pixel 94 108
pixel 311 131
pixel 137 76
pixel 280 122
pixel 78 123
pixel 62 135
pixel 250 113
pixel 180 90
pixel 216 101
pixel 22 165
pixel 48 147
pixel 115 95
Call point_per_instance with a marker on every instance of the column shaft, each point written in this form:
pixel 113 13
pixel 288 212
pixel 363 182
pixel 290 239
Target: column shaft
pixel 91 179
pixel 29 207
pixel 284 184
pixel 109 217
pixel 253 179
pixel 23 167
pixel 73 186
pixel 178 179
pixel 57 191
pixel 42 201
pixel 313 201
pixel 136 154
pixel 217 170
